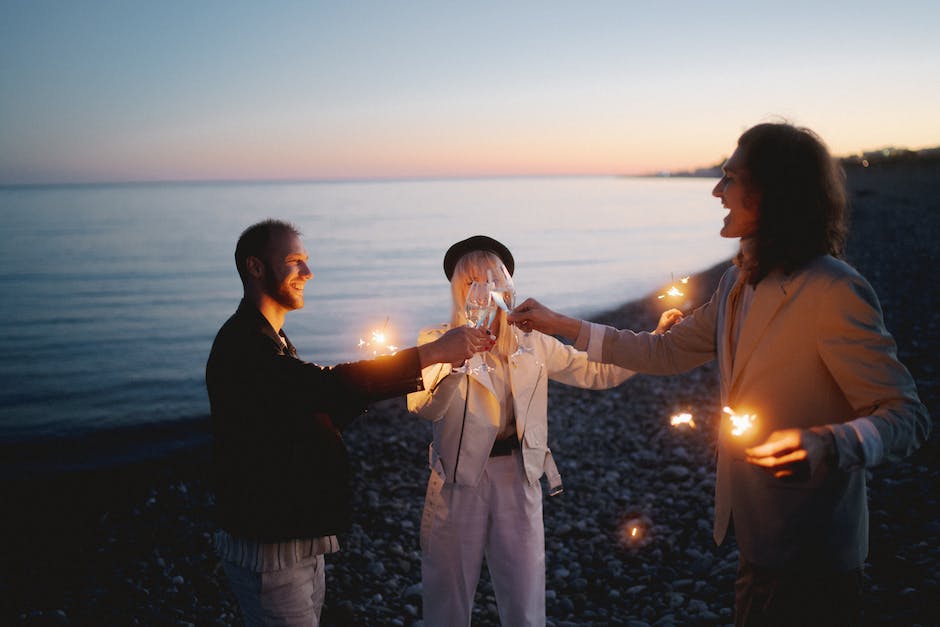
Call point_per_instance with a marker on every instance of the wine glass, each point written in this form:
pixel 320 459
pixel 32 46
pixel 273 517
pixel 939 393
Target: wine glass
pixel 504 295
pixel 479 309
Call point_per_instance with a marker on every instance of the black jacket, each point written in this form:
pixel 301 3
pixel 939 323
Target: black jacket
pixel 280 467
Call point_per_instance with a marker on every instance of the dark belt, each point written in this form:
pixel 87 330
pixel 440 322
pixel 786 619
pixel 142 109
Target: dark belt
pixel 504 446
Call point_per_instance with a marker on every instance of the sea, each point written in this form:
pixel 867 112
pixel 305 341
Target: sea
pixel 112 294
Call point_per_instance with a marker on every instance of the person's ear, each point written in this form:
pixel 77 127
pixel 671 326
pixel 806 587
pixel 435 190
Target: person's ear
pixel 255 267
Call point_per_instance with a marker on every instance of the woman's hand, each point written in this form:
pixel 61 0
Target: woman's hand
pixel 669 318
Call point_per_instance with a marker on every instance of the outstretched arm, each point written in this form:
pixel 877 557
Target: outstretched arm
pixel 532 315
pixel 455 346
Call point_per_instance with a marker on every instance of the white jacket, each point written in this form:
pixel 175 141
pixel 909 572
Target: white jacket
pixel 444 401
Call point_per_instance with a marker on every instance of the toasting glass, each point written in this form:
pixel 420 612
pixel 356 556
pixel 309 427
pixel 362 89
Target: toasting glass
pixel 504 295
pixel 479 309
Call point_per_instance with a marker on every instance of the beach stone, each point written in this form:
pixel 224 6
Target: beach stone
pixel 414 591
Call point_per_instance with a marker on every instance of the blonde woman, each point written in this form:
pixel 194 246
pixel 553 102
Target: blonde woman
pixel 489 450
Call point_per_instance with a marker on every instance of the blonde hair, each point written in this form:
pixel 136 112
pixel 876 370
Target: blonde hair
pixel 473 267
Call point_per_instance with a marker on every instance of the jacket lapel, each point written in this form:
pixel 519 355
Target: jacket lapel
pixel 523 380
pixel 724 345
pixel 484 379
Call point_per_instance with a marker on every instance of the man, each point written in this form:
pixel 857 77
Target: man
pixel 280 467
pixel 800 343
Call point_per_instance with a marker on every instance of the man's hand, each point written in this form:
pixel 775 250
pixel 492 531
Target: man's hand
pixel 669 318
pixel 455 346
pixel 532 315
pixel 792 453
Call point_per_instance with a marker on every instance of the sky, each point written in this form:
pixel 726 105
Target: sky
pixel 200 90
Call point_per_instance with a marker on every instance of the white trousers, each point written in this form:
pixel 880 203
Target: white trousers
pixel 292 597
pixel 501 519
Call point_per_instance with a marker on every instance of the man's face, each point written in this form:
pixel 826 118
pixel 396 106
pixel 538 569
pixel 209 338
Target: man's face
pixel 742 204
pixel 286 272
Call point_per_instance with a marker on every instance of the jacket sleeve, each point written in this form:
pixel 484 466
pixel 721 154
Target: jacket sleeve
pixel 343 388
pixel 861 355
pixel 689 343
pixel 439 387
pixel 570 366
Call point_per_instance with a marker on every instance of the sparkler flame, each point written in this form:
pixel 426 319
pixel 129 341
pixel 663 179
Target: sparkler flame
pixel 740 423
pixel 682 420
pixel 674 291
pixel 378 342
pixel 635 532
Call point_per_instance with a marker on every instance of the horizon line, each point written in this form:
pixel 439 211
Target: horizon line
pixel 697 172
pixel 327 181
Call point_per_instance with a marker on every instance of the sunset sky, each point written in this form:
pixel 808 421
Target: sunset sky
pixel 197 90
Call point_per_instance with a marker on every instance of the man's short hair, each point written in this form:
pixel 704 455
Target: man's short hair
pixel 255 241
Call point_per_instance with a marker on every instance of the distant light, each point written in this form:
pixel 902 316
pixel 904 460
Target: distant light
pixel 864 163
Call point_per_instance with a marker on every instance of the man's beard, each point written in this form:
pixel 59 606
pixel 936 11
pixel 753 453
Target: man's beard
pixel 281 292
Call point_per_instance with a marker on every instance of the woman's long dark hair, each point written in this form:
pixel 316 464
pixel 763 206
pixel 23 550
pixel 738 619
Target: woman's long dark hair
pixel 802 197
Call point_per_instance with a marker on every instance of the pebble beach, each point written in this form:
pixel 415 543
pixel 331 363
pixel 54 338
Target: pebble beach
pixel 131 544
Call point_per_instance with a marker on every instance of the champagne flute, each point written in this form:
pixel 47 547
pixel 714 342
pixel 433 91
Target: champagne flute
pixel 478 309
pixel 504 295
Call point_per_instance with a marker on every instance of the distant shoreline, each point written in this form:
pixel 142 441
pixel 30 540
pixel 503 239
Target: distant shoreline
pixel 873 158
pixel 885 157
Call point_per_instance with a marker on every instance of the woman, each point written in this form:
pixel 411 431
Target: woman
pixel 800 342
pixel 489 451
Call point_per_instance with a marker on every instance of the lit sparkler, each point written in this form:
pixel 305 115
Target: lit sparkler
pixel 635 532
pixel 740 423
pixel 674 290
pixel 378 342
pixel 682 420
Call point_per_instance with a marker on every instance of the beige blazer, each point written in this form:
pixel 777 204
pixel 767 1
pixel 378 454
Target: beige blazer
pixel 462 459
pixel 813 350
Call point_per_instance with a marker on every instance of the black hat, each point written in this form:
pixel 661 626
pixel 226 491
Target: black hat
pixel 477 242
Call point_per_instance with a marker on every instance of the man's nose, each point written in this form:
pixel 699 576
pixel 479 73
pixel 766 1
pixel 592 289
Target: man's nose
pixel 717 189
pixel 305 271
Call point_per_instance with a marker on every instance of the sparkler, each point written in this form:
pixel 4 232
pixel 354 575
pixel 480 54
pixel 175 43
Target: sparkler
pixel 378 342
pixel 673 290
pixel 740 423
pixel 682 420
pixel 635 532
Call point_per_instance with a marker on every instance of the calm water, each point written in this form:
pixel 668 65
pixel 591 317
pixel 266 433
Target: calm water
pixel 112 294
